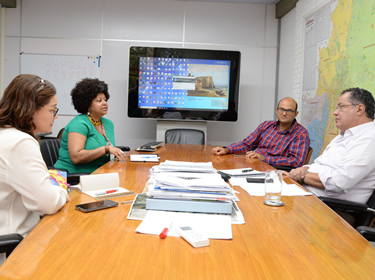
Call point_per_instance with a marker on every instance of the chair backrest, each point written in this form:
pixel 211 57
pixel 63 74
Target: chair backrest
pixel 308 157
pixel 8 242
pixel 368 218
pixel 59 135
pixel 50 150
pixel 185 136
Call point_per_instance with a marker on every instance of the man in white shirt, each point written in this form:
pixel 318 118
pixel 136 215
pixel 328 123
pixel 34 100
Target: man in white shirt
pixel 346 169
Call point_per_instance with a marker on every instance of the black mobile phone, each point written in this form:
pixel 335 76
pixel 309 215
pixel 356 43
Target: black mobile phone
pixel 255 180
pixel 96 205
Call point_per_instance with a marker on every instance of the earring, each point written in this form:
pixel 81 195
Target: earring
pixel 88 113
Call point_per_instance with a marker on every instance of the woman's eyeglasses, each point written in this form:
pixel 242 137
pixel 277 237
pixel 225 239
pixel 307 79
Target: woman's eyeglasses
pixel 53 110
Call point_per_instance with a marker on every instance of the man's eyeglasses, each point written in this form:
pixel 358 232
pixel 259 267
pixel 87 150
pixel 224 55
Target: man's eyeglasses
pixel 282 111
pixel 340 107
pixel 41 86
pixel 54 110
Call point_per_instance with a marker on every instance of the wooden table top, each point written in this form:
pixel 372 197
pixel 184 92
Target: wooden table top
pixel 302 239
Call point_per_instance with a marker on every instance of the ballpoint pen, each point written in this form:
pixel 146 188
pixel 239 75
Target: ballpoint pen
pixel 163 234
pixel 124 202
pixel 246 170
pixel 107 192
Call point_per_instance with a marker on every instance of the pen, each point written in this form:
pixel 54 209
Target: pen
pixel 130 201
pixel 246 170
pixel 234 206
pixel 239 155
pixel 163 234
pixel 107 192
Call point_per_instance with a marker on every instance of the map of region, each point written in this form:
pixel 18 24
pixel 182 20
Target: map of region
pixel 342 35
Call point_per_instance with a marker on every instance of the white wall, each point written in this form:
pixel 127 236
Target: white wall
pixel 286 49
pixel 109 27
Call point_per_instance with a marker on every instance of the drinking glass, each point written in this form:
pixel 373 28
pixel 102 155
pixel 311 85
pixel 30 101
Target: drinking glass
pixel 273 184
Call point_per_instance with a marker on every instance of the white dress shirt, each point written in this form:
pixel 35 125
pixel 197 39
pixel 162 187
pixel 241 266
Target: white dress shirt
pixel 26 191
pixel 347 165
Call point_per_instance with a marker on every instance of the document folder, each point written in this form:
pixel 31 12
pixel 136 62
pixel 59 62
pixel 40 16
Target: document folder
pixel 219 207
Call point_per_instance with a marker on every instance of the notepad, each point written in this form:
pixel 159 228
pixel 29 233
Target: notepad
pixel 144 157
pixel 102 186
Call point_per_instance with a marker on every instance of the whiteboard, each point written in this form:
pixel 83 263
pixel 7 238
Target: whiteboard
pixel 63 71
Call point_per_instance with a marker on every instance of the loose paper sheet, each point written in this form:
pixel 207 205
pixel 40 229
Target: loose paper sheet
pixel 210 226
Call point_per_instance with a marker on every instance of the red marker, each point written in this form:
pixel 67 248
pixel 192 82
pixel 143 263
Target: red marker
pixel 107 192
pixel 163 234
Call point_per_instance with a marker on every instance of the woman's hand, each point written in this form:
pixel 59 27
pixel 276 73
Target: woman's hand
pixel 118 153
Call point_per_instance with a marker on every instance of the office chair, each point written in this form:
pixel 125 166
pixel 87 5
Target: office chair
pixel 8 242
pixel 288 168
pixel 368 233
pixel 363 213
pixel 59 135
pixel 184 136
pixel 50 153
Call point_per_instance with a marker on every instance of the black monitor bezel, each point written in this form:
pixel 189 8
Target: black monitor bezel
pixel 230 115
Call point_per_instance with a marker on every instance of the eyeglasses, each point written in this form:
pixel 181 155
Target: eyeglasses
pixel 54 110
pixel 340 107
pixel 282 111
pixel 42 85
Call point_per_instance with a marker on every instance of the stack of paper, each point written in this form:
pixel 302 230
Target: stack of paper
pixel 183 166
pixel 144 157
pixel 188 186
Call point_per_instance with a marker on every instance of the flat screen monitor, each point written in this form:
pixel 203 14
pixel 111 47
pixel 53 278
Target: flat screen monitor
pixel 183 84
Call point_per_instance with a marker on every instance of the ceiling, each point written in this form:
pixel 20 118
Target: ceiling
pixel 239 1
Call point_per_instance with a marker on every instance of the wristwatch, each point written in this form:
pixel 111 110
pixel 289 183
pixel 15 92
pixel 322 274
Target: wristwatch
pixel 303 179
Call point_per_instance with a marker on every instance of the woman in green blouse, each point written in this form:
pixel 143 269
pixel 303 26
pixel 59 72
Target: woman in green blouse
pixel 88 140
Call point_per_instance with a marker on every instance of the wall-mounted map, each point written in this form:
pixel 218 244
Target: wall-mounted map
pixel 339 52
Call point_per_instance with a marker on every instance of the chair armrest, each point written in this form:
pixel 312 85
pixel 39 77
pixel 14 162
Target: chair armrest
pixel 73 178
pixel 9 241
pixel 344 204
pixel 367 232
pixel 124 148
pixel 285 168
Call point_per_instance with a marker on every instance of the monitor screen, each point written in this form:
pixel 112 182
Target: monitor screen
pixel 184 84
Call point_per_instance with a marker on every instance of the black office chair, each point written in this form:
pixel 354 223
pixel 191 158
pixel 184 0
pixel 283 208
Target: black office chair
pixel 50 152
pixel 288 168
pixel 184 136
pixel 368 233
pixel 8 242
pixel 59 135
pixel 363 213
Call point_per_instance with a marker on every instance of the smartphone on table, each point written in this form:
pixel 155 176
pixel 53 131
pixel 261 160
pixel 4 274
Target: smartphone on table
pixel 96 205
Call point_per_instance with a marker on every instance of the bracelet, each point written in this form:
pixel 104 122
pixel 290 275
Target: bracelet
pixel 106 150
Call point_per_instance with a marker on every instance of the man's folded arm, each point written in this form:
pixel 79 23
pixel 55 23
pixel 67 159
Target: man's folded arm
pixel 297 153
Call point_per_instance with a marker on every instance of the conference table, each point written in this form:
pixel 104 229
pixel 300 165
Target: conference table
pixel 302 239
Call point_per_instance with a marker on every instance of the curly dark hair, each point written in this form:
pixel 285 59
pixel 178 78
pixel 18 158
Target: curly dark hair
pixel 362 96
pixel 85 91
pixel 24 95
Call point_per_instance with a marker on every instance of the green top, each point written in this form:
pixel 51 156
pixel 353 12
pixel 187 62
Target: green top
pixel 82 125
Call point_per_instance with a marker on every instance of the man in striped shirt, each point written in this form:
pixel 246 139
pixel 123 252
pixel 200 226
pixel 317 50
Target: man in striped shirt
pixel 283 142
